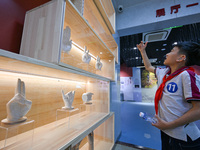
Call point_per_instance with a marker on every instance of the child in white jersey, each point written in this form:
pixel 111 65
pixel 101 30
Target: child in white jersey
pixel 177 100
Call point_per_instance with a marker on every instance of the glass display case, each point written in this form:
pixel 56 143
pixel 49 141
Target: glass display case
pixel 44 82
pixel 67 61
pixel 57 32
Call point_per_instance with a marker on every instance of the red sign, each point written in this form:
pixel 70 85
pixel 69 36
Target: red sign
pixel 174 9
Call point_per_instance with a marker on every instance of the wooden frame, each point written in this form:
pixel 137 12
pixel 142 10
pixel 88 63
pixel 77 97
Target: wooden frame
pixel 43 32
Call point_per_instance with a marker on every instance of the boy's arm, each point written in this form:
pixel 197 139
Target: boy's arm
pixel 146 61
pixel 192 115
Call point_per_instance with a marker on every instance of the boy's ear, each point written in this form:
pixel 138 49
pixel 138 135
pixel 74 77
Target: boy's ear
pixel 182 58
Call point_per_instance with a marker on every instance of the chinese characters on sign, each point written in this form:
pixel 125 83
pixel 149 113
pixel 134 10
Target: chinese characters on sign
pixel 160 12
pixel 174 9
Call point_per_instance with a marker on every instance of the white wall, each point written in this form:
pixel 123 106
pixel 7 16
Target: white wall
pixel 142 17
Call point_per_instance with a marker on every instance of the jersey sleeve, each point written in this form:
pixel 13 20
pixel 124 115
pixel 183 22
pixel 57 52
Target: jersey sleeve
pixel 160 73
pixel 191 86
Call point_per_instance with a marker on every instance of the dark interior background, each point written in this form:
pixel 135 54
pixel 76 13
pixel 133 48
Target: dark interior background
pixel 132 58
pixel 12 15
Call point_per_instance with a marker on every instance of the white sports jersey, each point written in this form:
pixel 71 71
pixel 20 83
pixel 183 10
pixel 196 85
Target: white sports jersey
pixel 175 101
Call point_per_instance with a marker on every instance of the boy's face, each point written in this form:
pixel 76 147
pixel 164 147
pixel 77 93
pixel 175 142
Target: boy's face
pixel 172 57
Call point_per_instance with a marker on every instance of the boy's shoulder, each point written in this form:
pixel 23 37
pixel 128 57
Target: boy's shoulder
pixel 189 73
pixel 162 70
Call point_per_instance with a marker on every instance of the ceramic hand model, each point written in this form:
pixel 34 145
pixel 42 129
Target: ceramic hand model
pixel 87 97
pixel 86 57
pixel 68 99
pixel 66 42
pixel 98 63
pixel 18 106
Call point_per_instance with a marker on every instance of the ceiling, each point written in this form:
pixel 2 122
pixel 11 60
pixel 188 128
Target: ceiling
pixel 156 50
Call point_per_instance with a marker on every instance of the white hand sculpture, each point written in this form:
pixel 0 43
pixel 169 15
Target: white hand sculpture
pixel 68 99
pixel 86 57
pixel 98 63
pixel 18 106
pixel 87 97
pixel 66 42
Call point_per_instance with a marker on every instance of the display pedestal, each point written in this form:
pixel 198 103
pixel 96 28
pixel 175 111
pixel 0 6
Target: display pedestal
pixel 87 107
pixel 65 113
pixel 15 132
pixel 90 138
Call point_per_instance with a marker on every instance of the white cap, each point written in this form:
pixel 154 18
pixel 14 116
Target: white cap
pixel 141 114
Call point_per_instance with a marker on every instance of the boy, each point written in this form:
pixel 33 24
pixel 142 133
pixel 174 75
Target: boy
pixel 177 100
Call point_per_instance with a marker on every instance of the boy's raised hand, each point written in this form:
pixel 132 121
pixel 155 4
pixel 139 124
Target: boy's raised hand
pixel 142 46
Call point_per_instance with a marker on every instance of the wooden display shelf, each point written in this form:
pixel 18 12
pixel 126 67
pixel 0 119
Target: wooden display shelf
pixel 43 35
pixel 13 62
pixel 94 17
pixel 62 136
pixel 73 60
pixel 83 34
pixel 50 70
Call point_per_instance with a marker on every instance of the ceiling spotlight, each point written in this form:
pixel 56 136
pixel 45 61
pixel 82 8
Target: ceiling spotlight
pixel 175 43
pixel 135 48
pixel 164 44
pixel 101 53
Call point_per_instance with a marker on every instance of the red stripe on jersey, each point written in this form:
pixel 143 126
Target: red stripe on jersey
pixel 194 88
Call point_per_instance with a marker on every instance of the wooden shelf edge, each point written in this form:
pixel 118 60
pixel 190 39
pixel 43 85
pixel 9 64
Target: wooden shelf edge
pixel 59 66
pixel 92 75
pixel 86 132
pixel 104 15
pixel 43 133
pixel 72 5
